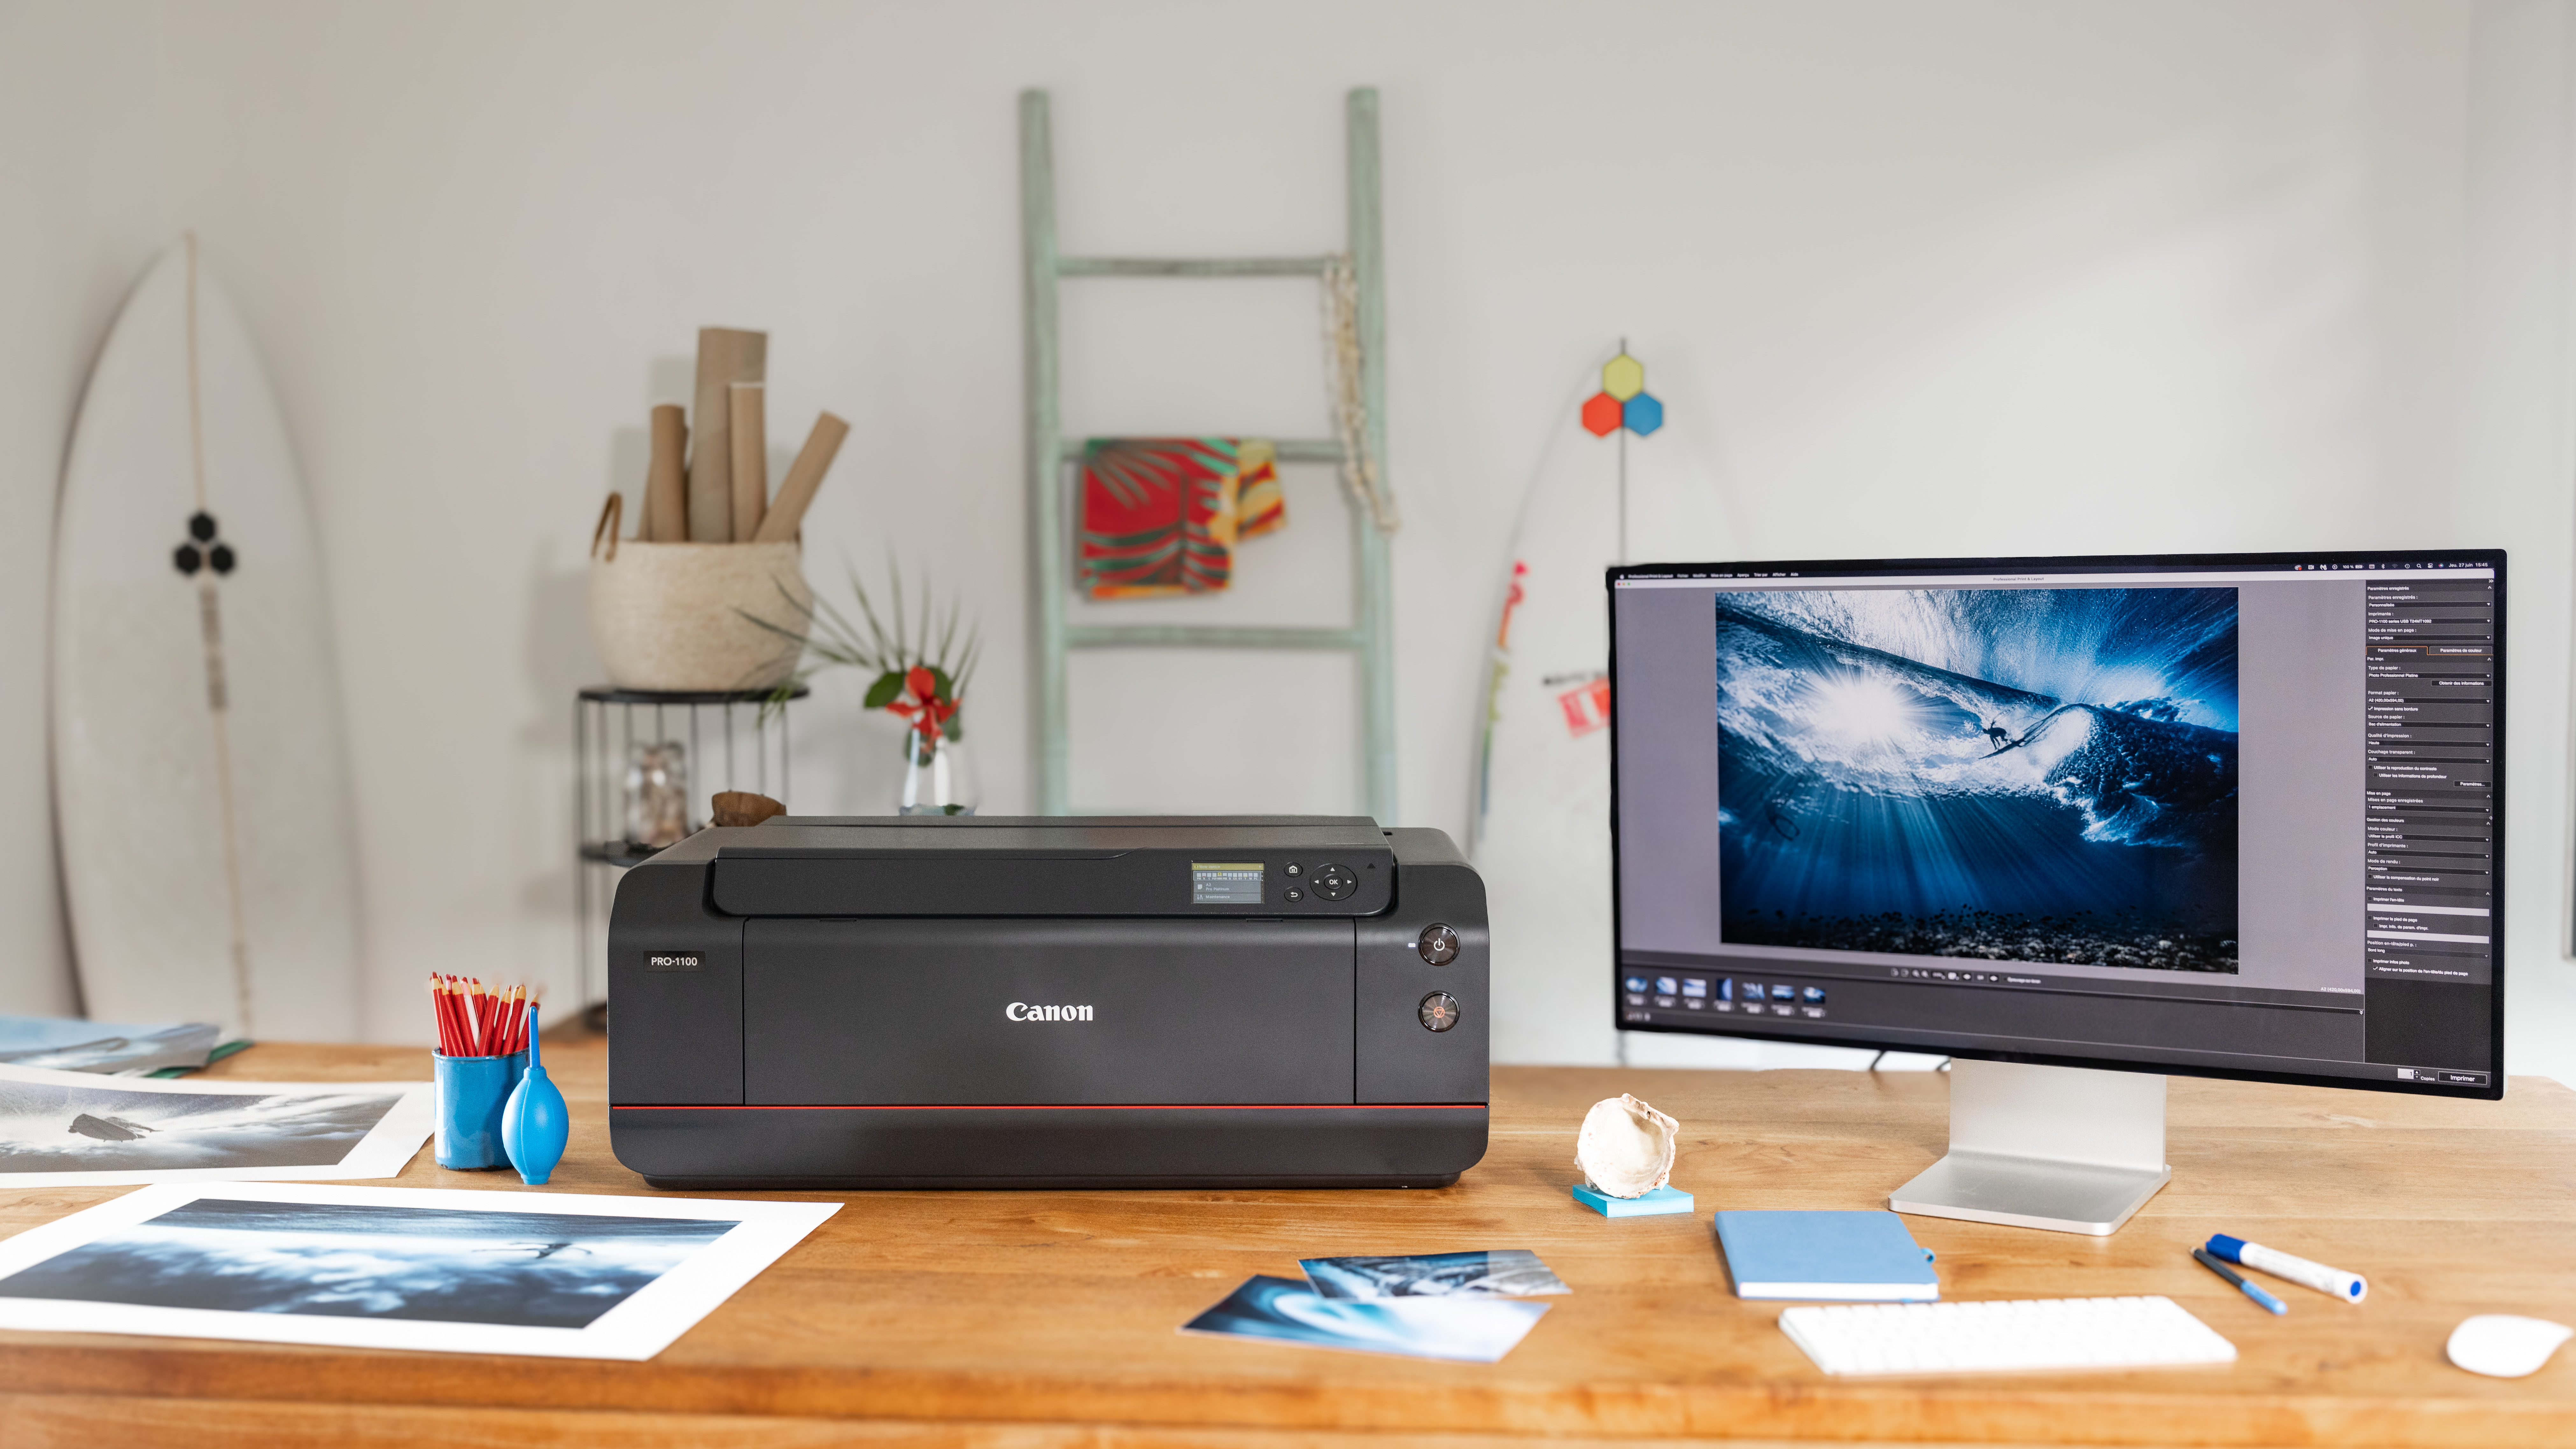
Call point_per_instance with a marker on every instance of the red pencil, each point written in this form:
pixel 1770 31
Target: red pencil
pixel 445 1009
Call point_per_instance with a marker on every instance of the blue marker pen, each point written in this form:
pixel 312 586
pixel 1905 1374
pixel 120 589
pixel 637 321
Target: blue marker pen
pixel 2332 1282
pixel 2232 1276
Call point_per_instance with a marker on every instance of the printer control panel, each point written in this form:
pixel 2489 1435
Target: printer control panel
pixel 1248 883
pixel 1102 870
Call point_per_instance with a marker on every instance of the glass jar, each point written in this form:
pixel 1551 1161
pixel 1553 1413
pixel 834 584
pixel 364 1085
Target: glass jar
pixel 657 794
pixel 938 776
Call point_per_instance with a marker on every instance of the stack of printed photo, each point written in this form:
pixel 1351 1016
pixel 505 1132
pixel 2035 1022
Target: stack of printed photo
pixel 66 1044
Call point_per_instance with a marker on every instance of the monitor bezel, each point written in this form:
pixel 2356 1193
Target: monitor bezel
pixel 2074 563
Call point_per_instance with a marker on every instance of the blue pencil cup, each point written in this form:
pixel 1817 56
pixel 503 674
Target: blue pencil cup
pixel 471 1092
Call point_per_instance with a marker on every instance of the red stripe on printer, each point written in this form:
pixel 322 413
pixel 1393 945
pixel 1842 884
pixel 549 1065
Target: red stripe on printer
pixel 1054 1107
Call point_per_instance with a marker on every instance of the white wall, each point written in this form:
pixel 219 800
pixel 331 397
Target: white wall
pixel 2516 474
pixel 1993 275
pixel 80 168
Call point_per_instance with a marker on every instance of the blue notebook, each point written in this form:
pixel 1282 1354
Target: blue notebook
pixel 1865 1257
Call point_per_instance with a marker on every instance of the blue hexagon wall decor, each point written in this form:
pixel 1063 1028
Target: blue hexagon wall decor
pixel 1642 413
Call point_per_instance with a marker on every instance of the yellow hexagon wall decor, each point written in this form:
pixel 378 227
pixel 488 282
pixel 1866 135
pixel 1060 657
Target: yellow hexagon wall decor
pixel 1623 377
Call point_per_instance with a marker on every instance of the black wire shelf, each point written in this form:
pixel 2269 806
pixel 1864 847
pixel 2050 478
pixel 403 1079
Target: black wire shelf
pixel 611 694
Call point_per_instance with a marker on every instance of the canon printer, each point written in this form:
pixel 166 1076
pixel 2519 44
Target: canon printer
pixel 925 1001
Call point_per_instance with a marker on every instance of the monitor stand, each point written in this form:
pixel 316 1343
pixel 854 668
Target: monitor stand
pixel 2060 1148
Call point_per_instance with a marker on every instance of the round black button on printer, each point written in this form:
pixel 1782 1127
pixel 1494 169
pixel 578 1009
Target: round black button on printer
pixel 1295 894
pixel 1295 870
pixel 1335 882
pixel 1439 1011
pixel 1439 945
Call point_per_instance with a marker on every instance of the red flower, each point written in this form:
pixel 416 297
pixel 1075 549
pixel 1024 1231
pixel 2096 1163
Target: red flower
pixel 925 709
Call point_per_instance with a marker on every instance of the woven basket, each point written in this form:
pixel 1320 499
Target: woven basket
pixel 669 616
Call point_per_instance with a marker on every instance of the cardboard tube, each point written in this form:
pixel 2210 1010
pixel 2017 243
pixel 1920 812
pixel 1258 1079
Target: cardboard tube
pixel 726 355
pixel 803 477
pixel 666 485
pixel 750 457
pixel 612 517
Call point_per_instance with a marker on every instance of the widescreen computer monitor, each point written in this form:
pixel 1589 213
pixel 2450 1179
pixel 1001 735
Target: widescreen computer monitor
pixel 2232 815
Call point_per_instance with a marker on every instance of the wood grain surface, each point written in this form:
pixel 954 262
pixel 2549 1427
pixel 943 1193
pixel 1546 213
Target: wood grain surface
pixel 1048 1318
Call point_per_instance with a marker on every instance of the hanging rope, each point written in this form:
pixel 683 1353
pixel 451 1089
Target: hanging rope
pixel 1344 374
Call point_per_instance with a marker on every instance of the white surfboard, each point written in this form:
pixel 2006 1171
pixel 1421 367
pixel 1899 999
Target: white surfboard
pixel 1542 833
pixel 200 780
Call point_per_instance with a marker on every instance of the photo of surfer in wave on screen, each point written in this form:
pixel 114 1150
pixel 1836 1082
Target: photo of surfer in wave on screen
pixel 2041 775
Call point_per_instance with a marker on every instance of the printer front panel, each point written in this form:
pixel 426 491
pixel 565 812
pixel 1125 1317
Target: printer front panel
pixel 675 976
pixel 1439 902
pixel 1038 1012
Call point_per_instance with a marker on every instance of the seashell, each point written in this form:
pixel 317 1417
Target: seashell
pixel 1626 1147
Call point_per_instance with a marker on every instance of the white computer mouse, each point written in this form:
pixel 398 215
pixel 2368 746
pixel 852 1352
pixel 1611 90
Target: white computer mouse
pixel 2506 1345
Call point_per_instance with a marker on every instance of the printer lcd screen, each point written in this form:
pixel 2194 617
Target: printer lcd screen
pixel 1225 883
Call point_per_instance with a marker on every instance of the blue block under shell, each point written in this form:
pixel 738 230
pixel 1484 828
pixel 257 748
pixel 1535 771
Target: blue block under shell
pixel 1661 1200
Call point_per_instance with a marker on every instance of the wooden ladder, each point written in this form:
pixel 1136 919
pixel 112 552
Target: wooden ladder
pixel 1370 636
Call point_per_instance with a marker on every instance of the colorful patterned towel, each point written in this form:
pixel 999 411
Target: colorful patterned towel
pixel 1263 510
pixel 1162 515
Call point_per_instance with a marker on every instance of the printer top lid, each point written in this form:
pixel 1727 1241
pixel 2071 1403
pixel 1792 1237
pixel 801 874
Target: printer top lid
pixel 1121 865
pixel 792 837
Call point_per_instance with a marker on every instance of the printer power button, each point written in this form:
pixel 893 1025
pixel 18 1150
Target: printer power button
pixel 1439 945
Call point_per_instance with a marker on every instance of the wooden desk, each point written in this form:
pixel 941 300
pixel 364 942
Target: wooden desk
pixel 1044 1319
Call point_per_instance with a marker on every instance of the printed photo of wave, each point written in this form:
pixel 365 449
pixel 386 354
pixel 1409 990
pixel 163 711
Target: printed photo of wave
pixel 533 1270
pixel 2041 775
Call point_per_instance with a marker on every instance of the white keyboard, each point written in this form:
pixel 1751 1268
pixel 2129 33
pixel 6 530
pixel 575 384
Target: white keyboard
pixel 2026 1335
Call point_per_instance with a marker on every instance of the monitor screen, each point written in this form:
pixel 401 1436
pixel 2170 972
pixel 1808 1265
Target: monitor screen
pixel 2220 815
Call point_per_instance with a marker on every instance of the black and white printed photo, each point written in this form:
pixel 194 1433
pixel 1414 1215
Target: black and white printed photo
pixel 526 1270
pixel 572 1275
pixel 88 1125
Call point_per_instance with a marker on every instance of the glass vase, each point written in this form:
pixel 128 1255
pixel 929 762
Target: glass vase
pixel 657 795
pixel 938 776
